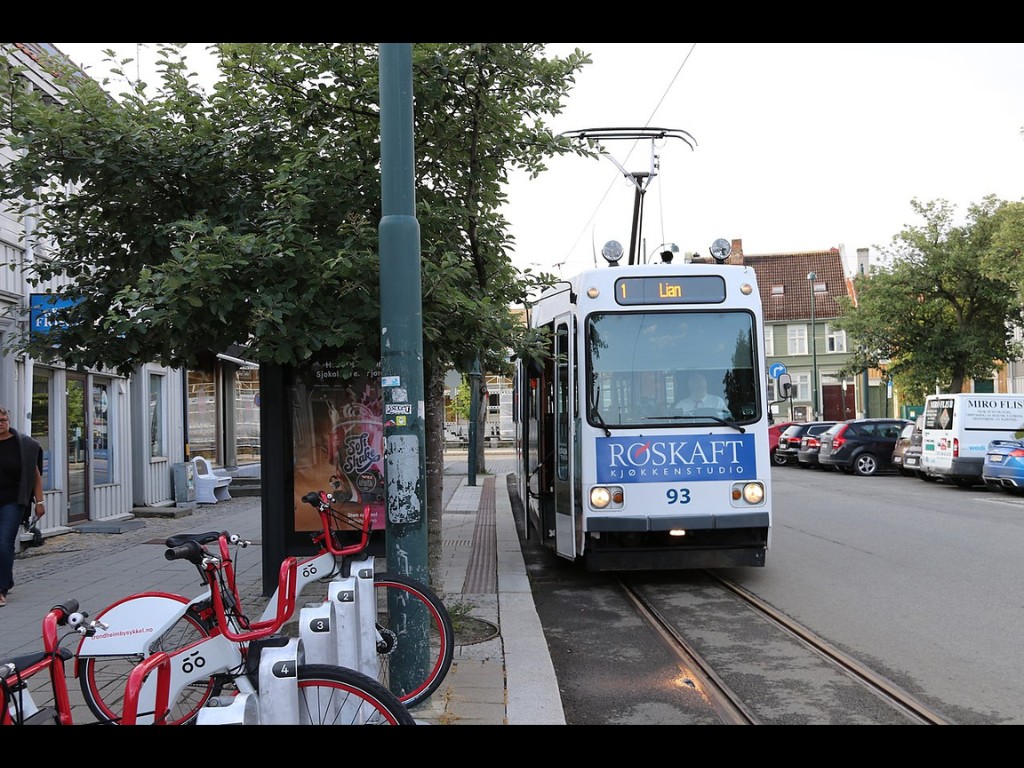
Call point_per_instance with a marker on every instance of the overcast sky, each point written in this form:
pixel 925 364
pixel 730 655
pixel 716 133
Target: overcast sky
pixel 799 146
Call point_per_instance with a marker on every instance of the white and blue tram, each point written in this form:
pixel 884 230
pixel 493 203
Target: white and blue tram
pixel 619 469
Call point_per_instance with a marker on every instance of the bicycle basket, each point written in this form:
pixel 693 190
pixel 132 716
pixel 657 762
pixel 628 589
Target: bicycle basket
pixel 348 527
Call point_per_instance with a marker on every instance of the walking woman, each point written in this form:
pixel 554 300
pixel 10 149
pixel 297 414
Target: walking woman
pixel 21 485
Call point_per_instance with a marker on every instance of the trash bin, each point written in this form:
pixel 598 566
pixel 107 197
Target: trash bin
pixel 184 483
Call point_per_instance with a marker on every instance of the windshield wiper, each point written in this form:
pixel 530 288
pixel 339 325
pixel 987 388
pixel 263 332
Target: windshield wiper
pixel 731 424
pixel 596 414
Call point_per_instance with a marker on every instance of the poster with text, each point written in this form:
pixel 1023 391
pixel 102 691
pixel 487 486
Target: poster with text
pixel 338 444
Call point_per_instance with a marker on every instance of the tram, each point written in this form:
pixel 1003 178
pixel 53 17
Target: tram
pixel 642 431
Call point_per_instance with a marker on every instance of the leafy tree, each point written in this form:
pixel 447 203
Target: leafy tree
pixel 933 312
pixel 461 402
pixel 1004 258
pixel 187 222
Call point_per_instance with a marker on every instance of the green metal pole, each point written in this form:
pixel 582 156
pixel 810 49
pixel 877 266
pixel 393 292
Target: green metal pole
pixel 401 320
pixel 474 415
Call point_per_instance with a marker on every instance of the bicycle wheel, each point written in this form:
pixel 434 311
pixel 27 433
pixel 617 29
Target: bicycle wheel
pixel 103 678
pixel 417 639
pixel 331 695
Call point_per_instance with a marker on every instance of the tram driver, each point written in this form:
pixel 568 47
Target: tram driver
pixel 699 400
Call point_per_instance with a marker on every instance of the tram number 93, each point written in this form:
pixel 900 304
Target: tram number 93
pixel 678 495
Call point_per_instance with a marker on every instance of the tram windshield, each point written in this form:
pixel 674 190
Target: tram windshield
pixel 672 368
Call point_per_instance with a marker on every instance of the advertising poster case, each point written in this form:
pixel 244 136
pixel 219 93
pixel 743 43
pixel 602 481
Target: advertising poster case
pixel 338 436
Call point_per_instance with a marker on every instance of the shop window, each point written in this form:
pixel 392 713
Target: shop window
pixel 42 380
pixel 156 416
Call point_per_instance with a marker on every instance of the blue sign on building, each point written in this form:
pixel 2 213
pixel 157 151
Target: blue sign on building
pixel 41 308
pixel 776 369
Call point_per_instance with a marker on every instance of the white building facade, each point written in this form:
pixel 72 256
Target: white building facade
pixel 109 442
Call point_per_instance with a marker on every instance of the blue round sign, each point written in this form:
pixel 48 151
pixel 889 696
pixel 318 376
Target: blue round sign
pixel 776 369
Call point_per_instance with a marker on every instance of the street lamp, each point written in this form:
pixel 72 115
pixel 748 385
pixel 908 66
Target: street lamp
pixel 811 277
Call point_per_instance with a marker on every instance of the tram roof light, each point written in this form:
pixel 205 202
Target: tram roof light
pixel 720 249
pixel 612 252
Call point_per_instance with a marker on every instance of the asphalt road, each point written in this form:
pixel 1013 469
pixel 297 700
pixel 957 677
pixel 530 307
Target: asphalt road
pixel 918 580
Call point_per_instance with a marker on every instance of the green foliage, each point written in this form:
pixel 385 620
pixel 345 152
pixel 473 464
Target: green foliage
pixel 939 312
pixel 462 403
pixel 187 221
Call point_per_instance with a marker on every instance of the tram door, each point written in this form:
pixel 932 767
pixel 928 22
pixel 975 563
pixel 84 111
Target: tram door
pixel 77 449
pixel 565 364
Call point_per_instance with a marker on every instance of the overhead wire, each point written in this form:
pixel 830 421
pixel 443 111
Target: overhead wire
pixel 607 191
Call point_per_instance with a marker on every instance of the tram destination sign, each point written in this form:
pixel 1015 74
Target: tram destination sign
pixel 694 289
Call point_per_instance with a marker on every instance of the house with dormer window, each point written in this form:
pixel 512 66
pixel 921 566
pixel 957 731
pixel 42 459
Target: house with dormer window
pixel 799 294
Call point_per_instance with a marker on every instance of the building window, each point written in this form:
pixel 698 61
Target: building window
pixel 820 287
pixel 247 414
pixel 802 386
pixel 796 343
pixel 156 416
pixel 202 414
pixel 40 420
pixel 102 452
pixel 778 290
pixel 835 340
pixel 769 341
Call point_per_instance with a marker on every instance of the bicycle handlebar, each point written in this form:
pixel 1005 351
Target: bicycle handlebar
pixel 190 550
pixel 67 607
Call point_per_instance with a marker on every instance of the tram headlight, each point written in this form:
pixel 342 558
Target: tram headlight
pixel 605 496
pixel 749 493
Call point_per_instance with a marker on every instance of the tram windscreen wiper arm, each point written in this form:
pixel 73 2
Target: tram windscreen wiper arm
pixel 732 424
pixel 596 414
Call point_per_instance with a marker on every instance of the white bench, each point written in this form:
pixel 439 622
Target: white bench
pixel 210 487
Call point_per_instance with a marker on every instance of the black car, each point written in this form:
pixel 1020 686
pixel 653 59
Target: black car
pixel 861 446
pixel 789 441
pixel 810 444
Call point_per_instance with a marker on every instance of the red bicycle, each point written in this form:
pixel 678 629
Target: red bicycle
pixel 414 632
pixel 265 677
pixel 20 704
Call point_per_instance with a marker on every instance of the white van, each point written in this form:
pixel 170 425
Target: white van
pixel 958 429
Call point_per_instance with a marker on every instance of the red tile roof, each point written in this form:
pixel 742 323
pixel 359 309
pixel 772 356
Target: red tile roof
pixel 790 270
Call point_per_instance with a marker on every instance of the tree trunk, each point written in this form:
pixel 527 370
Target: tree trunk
pixel 434 430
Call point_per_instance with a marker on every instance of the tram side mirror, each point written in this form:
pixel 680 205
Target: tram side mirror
pixel 785 386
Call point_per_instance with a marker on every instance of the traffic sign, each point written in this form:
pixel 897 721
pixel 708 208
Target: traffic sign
pixel 776 369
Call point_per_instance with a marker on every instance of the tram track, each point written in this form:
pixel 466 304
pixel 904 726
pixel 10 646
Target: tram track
pixel 702 677
pixel 711 679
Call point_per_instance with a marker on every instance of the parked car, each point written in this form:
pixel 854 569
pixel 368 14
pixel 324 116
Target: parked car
pixel 906 454
pixel 810 444
pixel 774 432
pixel 789 441
pixel 787 444
pixel 1004 466
pixel 912 456
pixel 861 446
